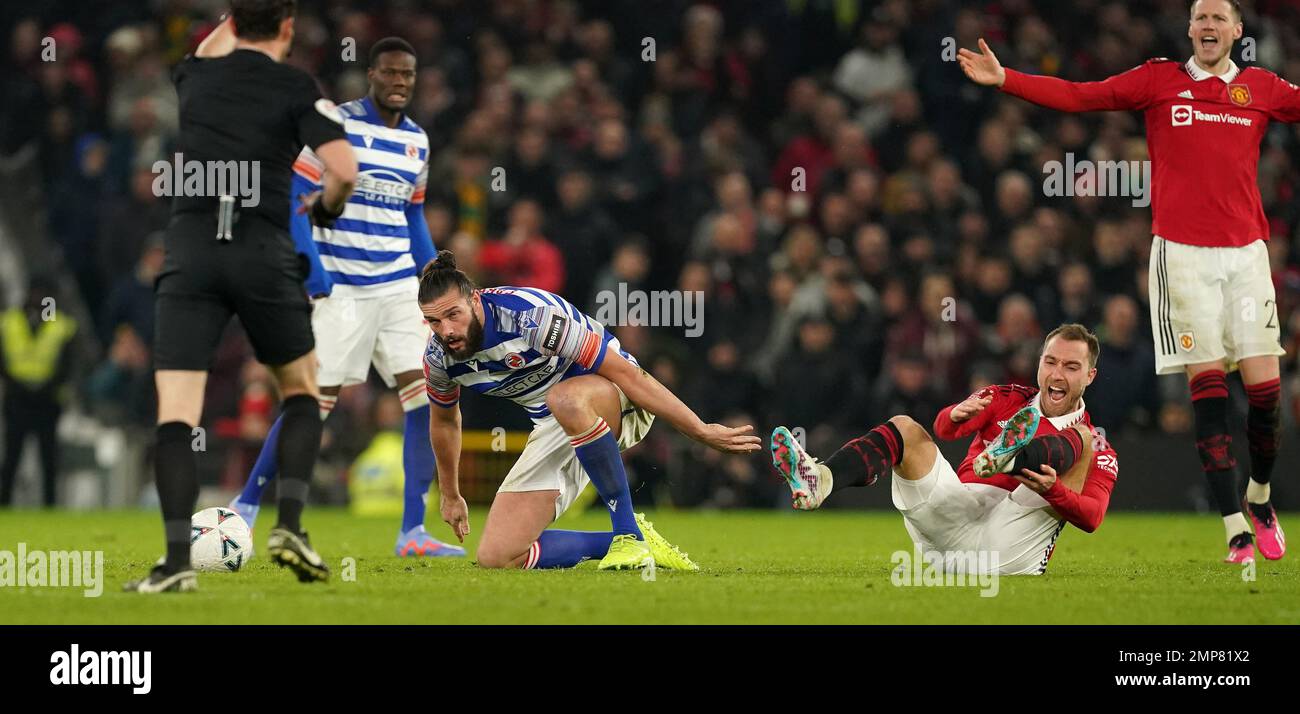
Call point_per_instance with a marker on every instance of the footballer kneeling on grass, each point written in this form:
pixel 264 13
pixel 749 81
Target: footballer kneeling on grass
pixel 1033 465
pixel 588 400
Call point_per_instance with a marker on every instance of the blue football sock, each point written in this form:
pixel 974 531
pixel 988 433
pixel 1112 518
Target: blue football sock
pixel 565 549
pixel 265 467
pixel 598 453
pixel 419 465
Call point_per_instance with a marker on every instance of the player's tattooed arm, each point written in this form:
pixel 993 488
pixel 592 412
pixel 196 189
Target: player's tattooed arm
pixel 648 393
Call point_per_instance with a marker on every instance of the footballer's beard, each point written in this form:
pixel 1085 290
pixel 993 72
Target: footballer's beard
pixel 471 341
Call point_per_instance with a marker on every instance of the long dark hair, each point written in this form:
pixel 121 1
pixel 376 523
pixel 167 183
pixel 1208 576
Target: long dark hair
pixel 441 275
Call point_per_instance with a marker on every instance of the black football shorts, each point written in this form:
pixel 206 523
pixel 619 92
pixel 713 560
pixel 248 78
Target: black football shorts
pixel 257 276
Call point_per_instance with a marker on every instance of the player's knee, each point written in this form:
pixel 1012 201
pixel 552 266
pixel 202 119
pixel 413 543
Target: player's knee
pixel 572 400
pixel 495 558
pixel 910 429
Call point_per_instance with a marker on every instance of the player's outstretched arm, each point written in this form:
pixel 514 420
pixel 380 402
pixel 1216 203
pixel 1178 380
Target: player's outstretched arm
pixel 983 68
pixel 1130 90
pixel 646 392
pixel 444 436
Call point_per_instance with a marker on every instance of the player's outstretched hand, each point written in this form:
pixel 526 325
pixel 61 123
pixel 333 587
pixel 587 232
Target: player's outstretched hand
pixel 974 404
pixel 456 513
pixel 982 68
pixel 731 440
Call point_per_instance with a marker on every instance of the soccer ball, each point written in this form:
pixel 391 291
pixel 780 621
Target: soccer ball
pixel 219 540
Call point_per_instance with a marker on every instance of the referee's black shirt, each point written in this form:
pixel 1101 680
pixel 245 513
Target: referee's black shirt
pixel 247 107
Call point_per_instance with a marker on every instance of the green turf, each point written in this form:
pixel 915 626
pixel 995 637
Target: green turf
pixel 758 567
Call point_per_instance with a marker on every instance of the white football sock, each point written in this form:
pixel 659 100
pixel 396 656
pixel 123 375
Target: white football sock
pixel 1256 492
pixel 824 473
pixel 1235 525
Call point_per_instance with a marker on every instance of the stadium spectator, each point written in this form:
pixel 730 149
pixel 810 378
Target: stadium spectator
pixel 906 171
pixel 36 362
pixel 523 256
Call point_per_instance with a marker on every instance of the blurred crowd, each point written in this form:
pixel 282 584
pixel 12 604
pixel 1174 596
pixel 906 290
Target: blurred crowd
pixel 870 230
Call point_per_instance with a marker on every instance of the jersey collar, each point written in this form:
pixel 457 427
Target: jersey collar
pixel 1199 74
pixel 371 113
pixel 1065 421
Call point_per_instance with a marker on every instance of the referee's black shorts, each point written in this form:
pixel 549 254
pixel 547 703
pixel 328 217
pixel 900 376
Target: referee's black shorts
pixel 257 276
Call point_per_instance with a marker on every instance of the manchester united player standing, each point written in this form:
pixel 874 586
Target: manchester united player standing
pixel 1212 306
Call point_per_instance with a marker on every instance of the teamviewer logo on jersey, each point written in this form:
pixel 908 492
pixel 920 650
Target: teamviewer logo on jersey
pixel 1182 115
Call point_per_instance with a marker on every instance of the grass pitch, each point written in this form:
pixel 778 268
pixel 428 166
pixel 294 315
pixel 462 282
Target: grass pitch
pixel 829 567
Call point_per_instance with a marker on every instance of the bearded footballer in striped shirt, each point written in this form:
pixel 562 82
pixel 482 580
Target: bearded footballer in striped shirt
pixel 588 401
pixel 363 281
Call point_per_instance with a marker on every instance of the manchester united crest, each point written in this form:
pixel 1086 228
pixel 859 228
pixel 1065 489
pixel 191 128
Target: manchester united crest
pixel 1239 94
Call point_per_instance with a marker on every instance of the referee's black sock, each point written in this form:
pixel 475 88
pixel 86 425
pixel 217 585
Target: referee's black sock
pixel 299 444
pixel 177 478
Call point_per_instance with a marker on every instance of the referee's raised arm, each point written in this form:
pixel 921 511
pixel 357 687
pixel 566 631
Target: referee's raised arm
pixel 244 118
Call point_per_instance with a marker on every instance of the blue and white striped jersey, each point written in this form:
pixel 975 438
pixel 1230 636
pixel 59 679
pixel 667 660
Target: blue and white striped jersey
pixel 379 244
pixel 532 340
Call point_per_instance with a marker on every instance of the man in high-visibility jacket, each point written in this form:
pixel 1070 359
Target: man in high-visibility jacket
pixel 35 361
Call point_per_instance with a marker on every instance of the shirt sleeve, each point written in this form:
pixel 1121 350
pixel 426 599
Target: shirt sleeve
pixel 421 182
pixel 1129 90
pixel 318 281
pixel 553 333
pixel 183 68
pixel 308 167
pixel 422 248
pixel 1086 509
pixel 317 119
pixel 1285 104
pixel 945 428
pixel 441 390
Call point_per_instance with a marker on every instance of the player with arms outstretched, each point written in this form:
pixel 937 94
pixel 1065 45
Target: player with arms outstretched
pixel 588 400
pixel 363 281
pixel 1035 463
pixel 1213 307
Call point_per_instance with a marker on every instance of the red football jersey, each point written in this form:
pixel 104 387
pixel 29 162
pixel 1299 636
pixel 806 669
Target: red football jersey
pixel 1085 509
pixel 1203 134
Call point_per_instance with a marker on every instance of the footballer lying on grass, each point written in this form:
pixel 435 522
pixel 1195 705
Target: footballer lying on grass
pixel 588 400
pixel 1033 465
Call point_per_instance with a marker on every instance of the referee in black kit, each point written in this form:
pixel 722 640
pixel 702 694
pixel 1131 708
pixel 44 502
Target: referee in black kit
pixel 244 117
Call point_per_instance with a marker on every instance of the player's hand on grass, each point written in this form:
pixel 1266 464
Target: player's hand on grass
pixel 974 404
pixel 730 440
pixel 456 513
pixel 982 68
pixel 1038 482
